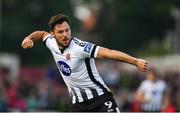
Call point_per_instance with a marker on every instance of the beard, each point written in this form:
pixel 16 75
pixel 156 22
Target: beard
pixel 65 42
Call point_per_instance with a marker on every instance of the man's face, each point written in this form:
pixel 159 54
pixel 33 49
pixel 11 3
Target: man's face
pixel 62 33
pixel 151 76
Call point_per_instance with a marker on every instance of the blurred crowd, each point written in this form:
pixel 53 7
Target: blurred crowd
pixel 42 89
pixel 35 89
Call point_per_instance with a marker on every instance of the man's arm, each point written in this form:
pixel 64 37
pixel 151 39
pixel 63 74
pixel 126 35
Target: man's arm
pixel 36 36
pixel 140 97
pixel 141 64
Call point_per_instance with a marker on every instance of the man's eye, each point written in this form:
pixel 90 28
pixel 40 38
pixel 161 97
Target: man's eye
pixel 67 30
pixel 61 32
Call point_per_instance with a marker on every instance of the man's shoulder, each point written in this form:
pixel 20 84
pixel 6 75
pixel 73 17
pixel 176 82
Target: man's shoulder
pixel 146 82
pixel 162 83
pixel 78 42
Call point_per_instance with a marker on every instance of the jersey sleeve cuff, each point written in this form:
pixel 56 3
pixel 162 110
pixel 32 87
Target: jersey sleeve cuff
pixel 45 38
pixel 95 51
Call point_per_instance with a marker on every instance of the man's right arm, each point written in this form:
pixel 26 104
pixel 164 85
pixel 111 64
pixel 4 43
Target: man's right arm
pixel 141 64
pixel 36 36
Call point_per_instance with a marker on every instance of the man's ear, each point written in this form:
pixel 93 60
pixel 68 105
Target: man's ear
pixel 51 33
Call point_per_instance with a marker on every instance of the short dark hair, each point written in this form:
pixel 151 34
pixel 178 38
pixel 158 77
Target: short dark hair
pixel 57 19
pixel 153 71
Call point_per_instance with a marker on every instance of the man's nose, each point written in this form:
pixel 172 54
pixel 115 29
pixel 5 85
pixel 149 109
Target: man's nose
pixel 65 33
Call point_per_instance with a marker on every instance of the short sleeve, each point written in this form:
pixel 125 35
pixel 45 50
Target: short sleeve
pixel 50 43
pixel 86 49
pixel 90 50
pixel 142 87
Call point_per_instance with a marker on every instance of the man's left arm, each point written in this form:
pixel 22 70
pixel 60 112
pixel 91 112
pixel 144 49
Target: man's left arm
pixel 141 64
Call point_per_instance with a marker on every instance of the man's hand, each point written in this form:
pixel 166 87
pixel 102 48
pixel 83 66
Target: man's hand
pixel 142 65
pixel 27 43
pixel 32 38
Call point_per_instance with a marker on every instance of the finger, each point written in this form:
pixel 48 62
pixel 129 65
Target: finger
pixel 144 61
pixel 22 44
pixel 143 70
pixel 146 69
pixel 146 66
pixel 25 45
pixel 31 44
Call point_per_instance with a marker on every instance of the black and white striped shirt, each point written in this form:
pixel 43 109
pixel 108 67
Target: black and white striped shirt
pixel 153 92
pixel 77 67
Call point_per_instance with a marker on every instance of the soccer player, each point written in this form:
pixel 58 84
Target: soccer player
pixel 151 92
pixel 75 61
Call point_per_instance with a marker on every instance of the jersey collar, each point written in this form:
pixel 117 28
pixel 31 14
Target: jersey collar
pixel 62 50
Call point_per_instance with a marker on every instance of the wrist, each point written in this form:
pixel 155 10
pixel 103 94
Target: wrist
pixel 135 61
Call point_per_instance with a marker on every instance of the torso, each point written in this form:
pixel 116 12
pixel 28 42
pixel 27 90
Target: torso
pixel 77 67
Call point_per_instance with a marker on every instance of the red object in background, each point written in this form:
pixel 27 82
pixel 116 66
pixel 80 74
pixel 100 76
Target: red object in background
pixel 135 106
pixel 170 108
pixel 90 23
pixel 17 104
pixel 14 101
pixel 21 104
pixel 11 92
pixel 32 75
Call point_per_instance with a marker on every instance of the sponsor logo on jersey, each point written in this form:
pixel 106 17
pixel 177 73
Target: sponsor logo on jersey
pixel 88 47
pixel 64 68
pixel 82 44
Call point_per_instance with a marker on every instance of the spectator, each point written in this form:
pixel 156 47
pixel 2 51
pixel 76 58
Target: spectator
pixel 150 93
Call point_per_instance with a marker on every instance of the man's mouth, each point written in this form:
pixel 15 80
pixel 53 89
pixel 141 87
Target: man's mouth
pixel 66 41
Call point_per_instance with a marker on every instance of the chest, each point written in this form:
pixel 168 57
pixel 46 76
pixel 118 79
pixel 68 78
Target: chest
pixel 68 62
pixel 154 89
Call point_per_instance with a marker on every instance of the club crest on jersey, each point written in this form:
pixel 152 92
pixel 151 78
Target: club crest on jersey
pixel 88 47
pixel 64 68
pixel 68 56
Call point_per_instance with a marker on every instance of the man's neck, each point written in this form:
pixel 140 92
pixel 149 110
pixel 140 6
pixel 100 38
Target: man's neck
pixel 61 47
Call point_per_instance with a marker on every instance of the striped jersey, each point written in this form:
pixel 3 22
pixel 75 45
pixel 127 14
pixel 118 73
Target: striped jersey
pixel 153 92
pixel 77 68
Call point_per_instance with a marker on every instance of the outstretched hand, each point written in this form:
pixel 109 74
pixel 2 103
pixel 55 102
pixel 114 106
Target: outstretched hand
pixel 27 43
pixel 142 65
